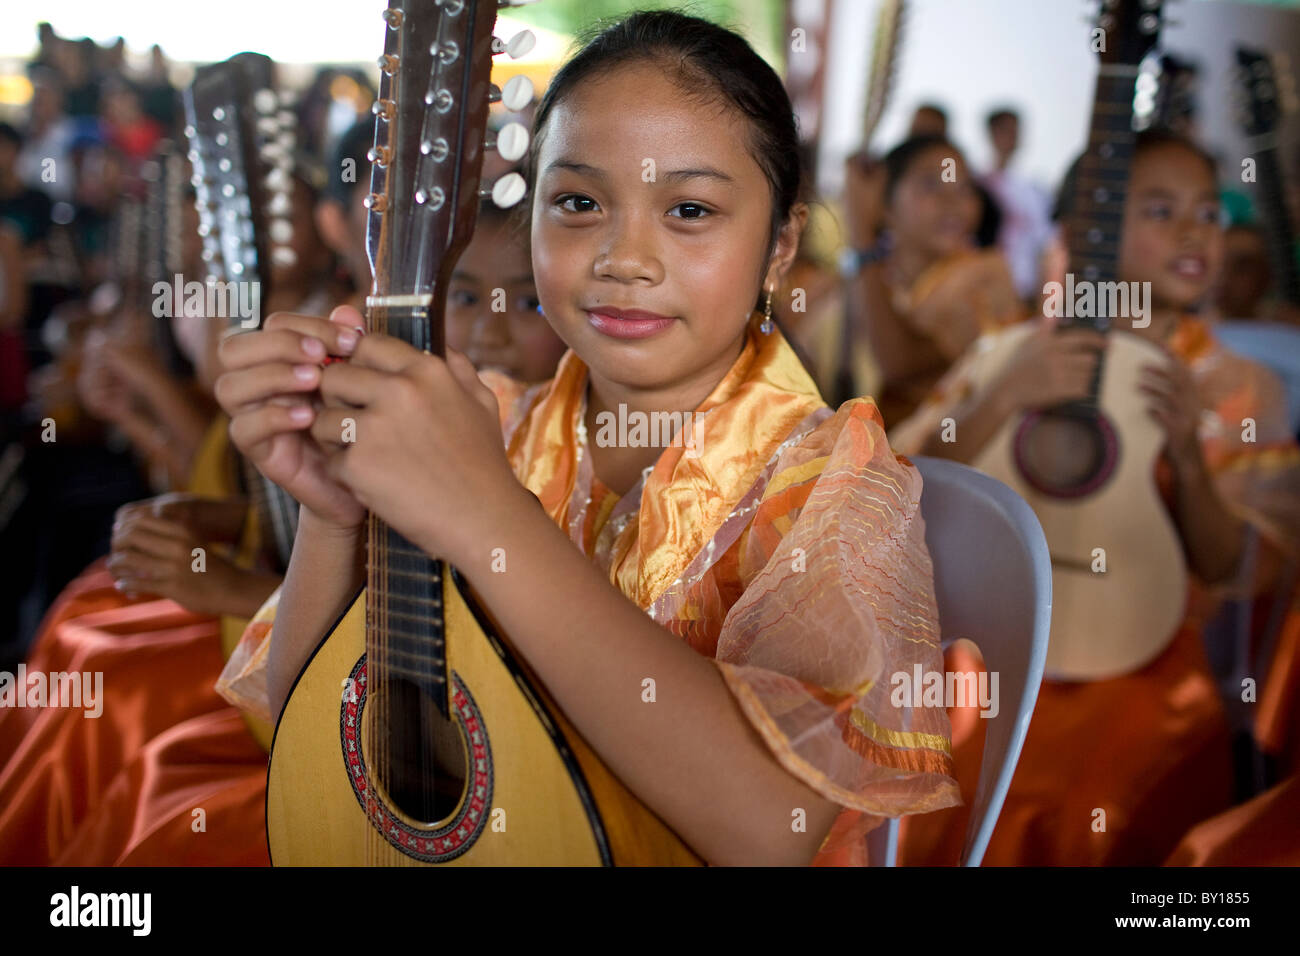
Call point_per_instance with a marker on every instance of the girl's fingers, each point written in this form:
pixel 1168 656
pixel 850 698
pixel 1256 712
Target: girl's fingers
pixel 348 383
pixel 337 337
pixel 384 354
pixel 147 542
pixel 239 389
pixel 335 427
pixel 257 425
pixel 462 369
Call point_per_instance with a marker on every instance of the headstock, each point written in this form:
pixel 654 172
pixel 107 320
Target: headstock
pixel 430 123
pixel 242 136
pixel 884 62
pixel 1265 91
pixel 1126 30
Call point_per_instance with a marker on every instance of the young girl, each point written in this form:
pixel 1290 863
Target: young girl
pixel 1150 748
pixel 934 293
pixel 769 584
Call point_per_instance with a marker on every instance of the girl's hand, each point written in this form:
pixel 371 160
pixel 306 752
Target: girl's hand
pixel 271 378
pixel 155 556
pixel 1173 401
pixel 418 441
pixel 1051 367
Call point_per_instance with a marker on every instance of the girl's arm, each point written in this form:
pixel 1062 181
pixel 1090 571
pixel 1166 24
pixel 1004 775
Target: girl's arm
pixel 325 572
pixel 691 755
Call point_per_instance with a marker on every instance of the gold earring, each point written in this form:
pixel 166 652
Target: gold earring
pixel 766 325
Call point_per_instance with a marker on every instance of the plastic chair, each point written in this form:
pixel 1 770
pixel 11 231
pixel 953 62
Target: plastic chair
pixel 993 584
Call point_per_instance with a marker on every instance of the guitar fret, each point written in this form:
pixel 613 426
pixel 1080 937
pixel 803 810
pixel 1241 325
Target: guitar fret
pixel 413 599
pixel 389 612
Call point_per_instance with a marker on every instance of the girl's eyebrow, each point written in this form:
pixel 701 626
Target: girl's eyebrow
pixel 672 176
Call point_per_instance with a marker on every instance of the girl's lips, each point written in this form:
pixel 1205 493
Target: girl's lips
pixel 628 324
pixel 1189 267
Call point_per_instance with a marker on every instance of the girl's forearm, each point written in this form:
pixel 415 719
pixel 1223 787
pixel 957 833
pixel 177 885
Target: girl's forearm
pixel 974 423
pixel 691 755
pixel 325 572
pixel 1214 539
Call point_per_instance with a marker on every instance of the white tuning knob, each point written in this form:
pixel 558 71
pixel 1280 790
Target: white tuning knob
pixel 517 93
pixel 265 101
pixel 277 178
pixel 283 256
pixel 508 190
pixel 281 230
pixel 512 141
pixel 521 44
pixel 279 204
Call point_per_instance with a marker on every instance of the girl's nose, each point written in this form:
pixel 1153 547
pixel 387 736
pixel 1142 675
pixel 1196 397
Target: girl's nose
pixel 490 330
pixel 627 257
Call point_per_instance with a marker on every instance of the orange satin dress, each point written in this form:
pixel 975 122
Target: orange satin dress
pixel 70 783
pixel 1150 750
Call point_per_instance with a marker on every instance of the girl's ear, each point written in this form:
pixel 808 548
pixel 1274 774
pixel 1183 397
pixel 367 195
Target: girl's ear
pixel 787 246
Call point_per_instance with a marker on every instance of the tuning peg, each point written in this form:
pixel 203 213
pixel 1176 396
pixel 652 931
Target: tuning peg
pixel 386 109
pixel 267 126
pixel 283 256
pixel 279 204
pixel 265 101
pixel 280 230
pixel 519 45
pixel 511 143
pixel 506 191
pixel 515 95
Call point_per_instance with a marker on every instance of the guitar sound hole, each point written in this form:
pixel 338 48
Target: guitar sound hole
pixel 1065 453
pixel 425 764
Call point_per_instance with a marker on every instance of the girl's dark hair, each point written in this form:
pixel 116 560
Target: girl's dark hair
pixel 1154 137
pixel 900 159
pixel 706 61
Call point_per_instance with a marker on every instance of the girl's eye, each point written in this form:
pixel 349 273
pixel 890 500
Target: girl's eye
pixel 580 204
pixel 696 211
pixel 529 304
pixel 1158 211
pixel 1208 214
pixel 463 298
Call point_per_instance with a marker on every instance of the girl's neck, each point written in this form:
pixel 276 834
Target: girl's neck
pixel 906 263
pixel 618 467
pixel 1164 320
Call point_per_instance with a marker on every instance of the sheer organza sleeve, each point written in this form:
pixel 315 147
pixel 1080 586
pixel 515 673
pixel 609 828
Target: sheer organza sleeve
pixel 1248 446
pixel 243 680
pixel 839 601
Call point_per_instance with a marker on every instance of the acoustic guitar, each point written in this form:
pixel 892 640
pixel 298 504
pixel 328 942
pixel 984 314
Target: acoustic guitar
pixel 241 149
pixel 1119 581
pixel 415 735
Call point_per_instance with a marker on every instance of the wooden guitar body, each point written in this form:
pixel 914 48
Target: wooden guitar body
pixel 536 795
pixel 1112 621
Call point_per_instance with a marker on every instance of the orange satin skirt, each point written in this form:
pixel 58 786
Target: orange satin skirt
pixel 1151 751
pixel 1264 831
pixel 59 767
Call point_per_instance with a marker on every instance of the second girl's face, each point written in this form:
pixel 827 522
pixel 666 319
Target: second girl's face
pixel 934 213
pixel 648 201
pixel 1172 235
pixel 492 313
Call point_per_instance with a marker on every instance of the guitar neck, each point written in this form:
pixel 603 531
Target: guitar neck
pixel 1277 224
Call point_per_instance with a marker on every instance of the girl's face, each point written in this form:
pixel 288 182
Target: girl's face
pixel 933 213
pixel 1172 237
pixel 648 202
pixel 492 308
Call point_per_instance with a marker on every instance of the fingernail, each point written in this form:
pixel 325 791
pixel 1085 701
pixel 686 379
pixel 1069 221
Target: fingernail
pixel 300 413
pixel 347 340
pixel 304 373
pixel 313 347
